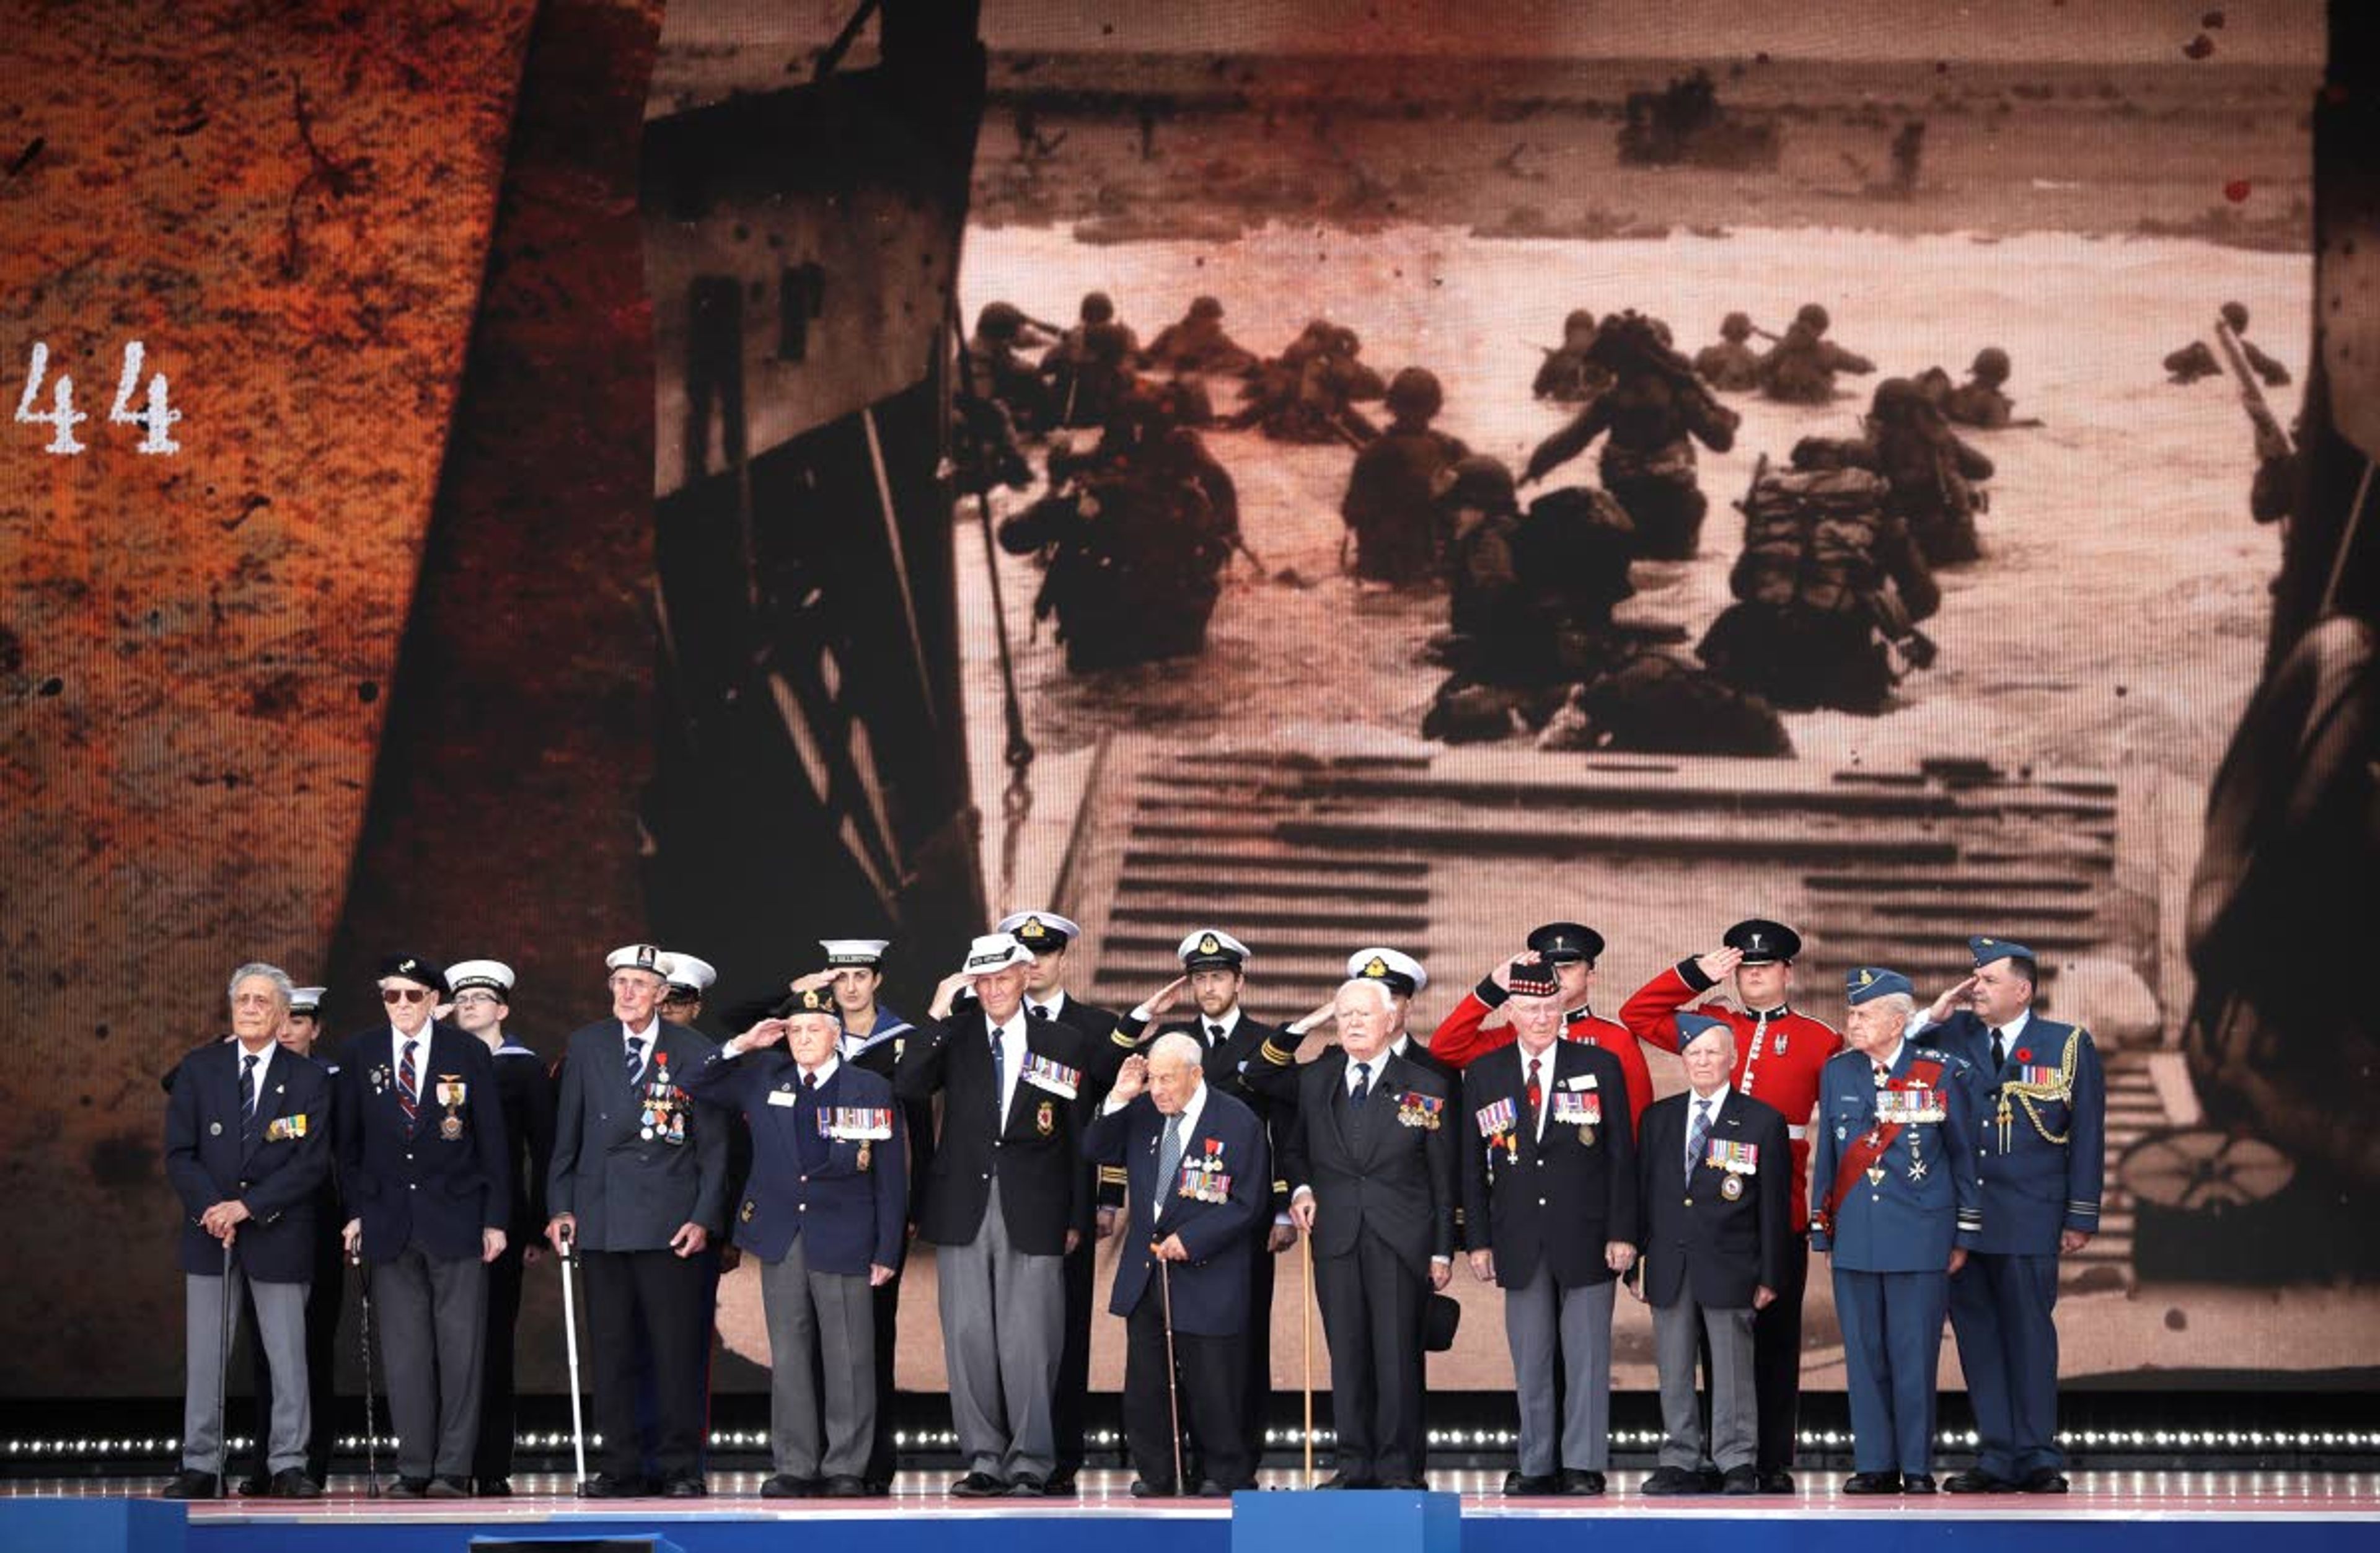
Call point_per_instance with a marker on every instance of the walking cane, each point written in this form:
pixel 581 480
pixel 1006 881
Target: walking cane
pixel 570 1341
pixel 372 1422
pixel 1173 1374
pixel 223 1375
pixel 1305 1330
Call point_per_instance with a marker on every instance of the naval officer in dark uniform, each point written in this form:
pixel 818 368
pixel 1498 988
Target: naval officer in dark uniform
pixel 2044 1152
pixel 1903 1207
pixel 825 1210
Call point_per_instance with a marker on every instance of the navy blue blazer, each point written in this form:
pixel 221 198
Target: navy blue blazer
pixel 1926 1196
pixel 632 1184
pixel 1225 1156
pixel 442 1179
pixel 847 1198
pixel 1554 1200
pixel 278 1173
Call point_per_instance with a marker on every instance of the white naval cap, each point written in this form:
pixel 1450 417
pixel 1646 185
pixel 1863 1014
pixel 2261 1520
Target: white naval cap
pixel 854 952
pixel 1039 930
pixel 1401 971
pixel 688 971
pixel 1211 947
pixel 639 957
pixel 307 999
pixel 493 974
pixel 995 951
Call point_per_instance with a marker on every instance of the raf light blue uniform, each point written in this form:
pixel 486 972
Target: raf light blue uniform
pixel 2043 1143
pixel 1891 1234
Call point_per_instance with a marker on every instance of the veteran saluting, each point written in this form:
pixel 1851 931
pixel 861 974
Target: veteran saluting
pixel 823 1210
pixel 1903 1207
pixel 1371 1163
pixel 1197 1179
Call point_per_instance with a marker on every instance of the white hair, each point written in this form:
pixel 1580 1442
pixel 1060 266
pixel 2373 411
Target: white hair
pixel 1900 1003
pixel 1178 1046
pixel 283 987
pixel 1387 997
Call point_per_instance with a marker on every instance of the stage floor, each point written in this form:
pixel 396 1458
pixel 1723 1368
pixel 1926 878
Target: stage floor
pixel 546 1498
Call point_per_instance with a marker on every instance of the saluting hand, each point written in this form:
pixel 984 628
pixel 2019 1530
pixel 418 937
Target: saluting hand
pixel 1719 963
pixel 1951 1001
pixel 769 1032
pixel 1325 1014
pixel 1502 975
pixel 1167 997
pixel 1131 1078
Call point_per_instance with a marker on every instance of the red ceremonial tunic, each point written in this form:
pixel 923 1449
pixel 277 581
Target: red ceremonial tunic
pixel 1779 1055
pixel 1459 1040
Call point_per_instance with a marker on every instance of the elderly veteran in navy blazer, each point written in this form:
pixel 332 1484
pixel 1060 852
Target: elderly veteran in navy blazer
pixel 1007 1198
pixel 824 1211
pixel 1549 1213
pixel 640 1183
pixel 2044 1152
pixel 1900 1208
pixel 426 1174
pixel 1372 1162
pixel 1715 1172
pixel 1197 1182
pixel 248 1143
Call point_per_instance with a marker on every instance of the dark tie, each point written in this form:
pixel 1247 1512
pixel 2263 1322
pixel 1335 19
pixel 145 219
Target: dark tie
pixel 999 1082
pixel 1038 1012
pixel 1169 1156
pixel 1537 1094
pixel 248 1095
pixel 1999 1050
pixel 1697 1135
pixel 810 1081
pixel 409 1084
pixel 1362 1090
pixel 811 1144
pixel 1214 1034
pixel 636 1059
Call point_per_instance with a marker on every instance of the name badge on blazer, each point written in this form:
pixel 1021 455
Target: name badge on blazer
pixel 1579 1081
pixel 783 1097
pixel 1044 1073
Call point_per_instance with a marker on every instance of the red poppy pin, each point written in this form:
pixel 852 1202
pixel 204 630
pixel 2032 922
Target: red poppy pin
pixel 2024 1054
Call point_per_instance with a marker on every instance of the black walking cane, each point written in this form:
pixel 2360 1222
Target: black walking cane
pixel 372 1428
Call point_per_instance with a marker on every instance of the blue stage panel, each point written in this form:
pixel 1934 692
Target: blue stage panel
pixel 93 1525
pixel 734 1526
pixel 1390 1522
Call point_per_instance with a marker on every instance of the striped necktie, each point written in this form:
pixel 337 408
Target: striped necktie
pixel 409 1084
pixel 247 1094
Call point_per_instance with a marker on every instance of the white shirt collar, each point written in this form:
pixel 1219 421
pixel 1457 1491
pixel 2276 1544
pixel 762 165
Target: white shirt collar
pixel 1015 1030
pixel 2008 1032
pixel 1190 1114
pixel 1893 1058
pixel 1549 1057
pixel 263 1058
pixel 1716 1099
pixel 652 1030
pixel 1054 1005
pixel 1229 1021
pixel 824 1071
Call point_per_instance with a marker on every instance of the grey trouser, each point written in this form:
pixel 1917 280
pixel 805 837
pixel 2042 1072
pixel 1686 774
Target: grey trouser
pixel 836 1311
pixel 281 1323
pixel 430 1314
pixel 1003 1324
pixel 1548 1325
pixel 1677 1328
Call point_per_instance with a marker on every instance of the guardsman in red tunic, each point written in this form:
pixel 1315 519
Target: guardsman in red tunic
pixel 1779 1055
pixel 1572 949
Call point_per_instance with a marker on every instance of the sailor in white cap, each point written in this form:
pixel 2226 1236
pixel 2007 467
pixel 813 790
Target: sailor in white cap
pixel 1008 1199
pixel 304 1027
pixel 639 1179
pixel 690 979
pixel 1050 937
pixel 1401 974
pixel 482 991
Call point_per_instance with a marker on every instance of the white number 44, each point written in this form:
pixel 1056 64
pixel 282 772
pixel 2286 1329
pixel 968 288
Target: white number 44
pixel 62 417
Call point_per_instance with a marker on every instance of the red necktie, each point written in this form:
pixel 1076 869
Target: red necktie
pixel 1536 1095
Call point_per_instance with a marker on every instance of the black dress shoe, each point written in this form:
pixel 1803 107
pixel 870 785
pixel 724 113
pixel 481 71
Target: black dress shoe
pixel 188 1485
pixel 448 1488
pixel 1872 1483
pixel 1580 1484
pixel 1410 1485
pixel 2044 1480
pixel 1917 1482
pixel 408 1488
pixel 1711 1478
pixel 978 1485
pixel 786 1486
pixel 691 1487
pixel 603 1486
pixel 1025 1485
pixel 1776 1480
pixel 1976 1480
pixel 845 1487
pixel 1144 1490
pixel 1670 1482
pixel 1740 1480
pixel 1059 1482
pixel 494 1488
pixel 291 1483
pixel 1210 1489
pixel 255 1485
pixel 1535 1486
pixel 1345 1480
